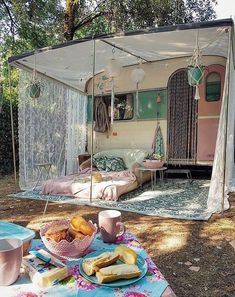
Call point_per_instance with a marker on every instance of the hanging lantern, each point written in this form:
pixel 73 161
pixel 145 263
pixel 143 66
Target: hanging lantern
pixel 195 75
pixel 196 69
pixel 137 76
pixel 113 69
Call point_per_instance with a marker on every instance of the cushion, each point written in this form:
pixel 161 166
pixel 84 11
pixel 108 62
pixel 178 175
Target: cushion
pixel 100 163
pixel 115 164
pixel 130 156
pixel 109 164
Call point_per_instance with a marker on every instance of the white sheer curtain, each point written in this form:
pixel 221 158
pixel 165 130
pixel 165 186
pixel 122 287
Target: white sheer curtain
pixel 47 129
pixel 76 129
pixel 224 156
pixel 230 166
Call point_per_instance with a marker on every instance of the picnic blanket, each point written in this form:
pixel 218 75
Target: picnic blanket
pixel 152 284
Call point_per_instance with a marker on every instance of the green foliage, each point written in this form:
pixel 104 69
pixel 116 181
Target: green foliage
pixel 100 25
pixel 6 155
pixel 37 23
pixel 154 156
pixel 128 15
pixel 200 10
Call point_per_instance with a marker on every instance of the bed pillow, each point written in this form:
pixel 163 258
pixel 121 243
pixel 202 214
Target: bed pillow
pixel 115 164
pixel 100 163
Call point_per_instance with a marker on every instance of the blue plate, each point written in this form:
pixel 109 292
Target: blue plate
pixel 141 263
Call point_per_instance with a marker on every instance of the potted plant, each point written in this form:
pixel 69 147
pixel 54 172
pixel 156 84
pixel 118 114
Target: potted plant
pixel 153 160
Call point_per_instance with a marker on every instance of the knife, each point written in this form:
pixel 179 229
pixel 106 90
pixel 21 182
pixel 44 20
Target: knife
pixel 45 259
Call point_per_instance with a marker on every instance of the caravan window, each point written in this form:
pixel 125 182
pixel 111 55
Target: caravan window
pixel 123 106
pixel 213 87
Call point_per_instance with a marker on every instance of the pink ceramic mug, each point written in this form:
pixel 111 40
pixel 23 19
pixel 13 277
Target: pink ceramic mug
pixel 11 252
pixel 110 225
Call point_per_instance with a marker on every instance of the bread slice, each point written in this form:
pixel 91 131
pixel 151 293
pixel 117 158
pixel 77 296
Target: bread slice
pixel 127 255
pixel 93 264
pixel 115 272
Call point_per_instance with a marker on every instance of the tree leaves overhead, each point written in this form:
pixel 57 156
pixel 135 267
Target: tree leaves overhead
pixel 92 17
pixel 200 10
pixel 37 22
pixel 44 22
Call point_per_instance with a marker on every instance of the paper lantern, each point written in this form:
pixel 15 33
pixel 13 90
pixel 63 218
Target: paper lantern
pixel 113 68
pixel 137 75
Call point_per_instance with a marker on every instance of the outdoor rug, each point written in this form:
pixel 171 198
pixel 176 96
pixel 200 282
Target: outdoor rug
pixel 173 198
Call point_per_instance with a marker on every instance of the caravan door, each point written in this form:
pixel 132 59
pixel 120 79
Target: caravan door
pixel 211 92
pixel 182 120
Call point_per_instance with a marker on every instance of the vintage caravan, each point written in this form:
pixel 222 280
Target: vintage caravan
pixel 189 127
pixel 74 112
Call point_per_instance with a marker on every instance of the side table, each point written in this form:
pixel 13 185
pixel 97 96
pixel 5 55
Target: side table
pixel 153 174
pixel 42 168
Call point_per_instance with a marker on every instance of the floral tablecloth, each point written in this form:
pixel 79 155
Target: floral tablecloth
pixel 153 284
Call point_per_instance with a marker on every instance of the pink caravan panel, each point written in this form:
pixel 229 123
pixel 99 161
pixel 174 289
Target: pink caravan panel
pixel 206 108
pixel 207 133
pixel 210 111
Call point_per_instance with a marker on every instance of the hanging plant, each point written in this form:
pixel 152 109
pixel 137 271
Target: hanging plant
pixel 195 75
pixel 34 89
pixel 196 69
pixel 35 86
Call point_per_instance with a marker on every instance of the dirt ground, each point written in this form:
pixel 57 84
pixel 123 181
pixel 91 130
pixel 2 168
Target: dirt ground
pixel 171 243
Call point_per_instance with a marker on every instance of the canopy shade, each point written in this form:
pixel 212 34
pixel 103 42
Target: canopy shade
pixel 71 63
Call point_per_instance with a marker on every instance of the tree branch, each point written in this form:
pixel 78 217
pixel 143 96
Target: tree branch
pixel 13 23
pixel 88 20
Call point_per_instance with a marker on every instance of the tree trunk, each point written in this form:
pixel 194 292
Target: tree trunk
pixel 69 19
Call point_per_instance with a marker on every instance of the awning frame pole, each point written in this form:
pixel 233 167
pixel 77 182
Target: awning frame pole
pixel 92 118
pixel 226 122
pixel 12 125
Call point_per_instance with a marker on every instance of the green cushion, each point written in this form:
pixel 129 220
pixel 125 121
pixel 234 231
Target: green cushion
pixel 130 156
pixel 115 164
pixel 109 164
pixel 100 163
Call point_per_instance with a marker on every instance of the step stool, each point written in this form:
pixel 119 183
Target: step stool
pixel 179 171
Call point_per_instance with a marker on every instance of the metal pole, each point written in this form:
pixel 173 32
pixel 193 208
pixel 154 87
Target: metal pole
pixel 92 116
pixel 12 126
pixel 226 121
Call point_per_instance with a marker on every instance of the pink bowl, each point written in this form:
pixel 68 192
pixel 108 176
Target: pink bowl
pixel 153 163
pixel 65 249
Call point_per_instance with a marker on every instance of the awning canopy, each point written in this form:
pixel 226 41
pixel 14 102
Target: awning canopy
pixel 71 63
